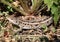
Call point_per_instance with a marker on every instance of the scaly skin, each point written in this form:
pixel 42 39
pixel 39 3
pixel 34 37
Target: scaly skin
pixel 30 22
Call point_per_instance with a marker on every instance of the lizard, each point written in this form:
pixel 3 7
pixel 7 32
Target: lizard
pixel 30 22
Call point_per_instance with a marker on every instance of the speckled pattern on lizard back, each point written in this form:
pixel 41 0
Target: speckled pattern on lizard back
pixel 30 22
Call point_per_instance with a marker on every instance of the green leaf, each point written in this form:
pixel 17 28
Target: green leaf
pixel 55 13
pixel 54 9
pixel 55 1
pixel 53 29
pixel 9 0
pixel 59 10
pixel 9 8
pixel 44 27
pixel 49 3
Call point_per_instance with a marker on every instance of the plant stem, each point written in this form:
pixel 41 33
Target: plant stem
pixel 19 10
pixel 36 4
pixel 24 5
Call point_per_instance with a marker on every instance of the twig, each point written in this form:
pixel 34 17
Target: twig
pixel 40 10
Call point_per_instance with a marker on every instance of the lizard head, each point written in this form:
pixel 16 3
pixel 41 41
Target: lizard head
pixel 12 19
